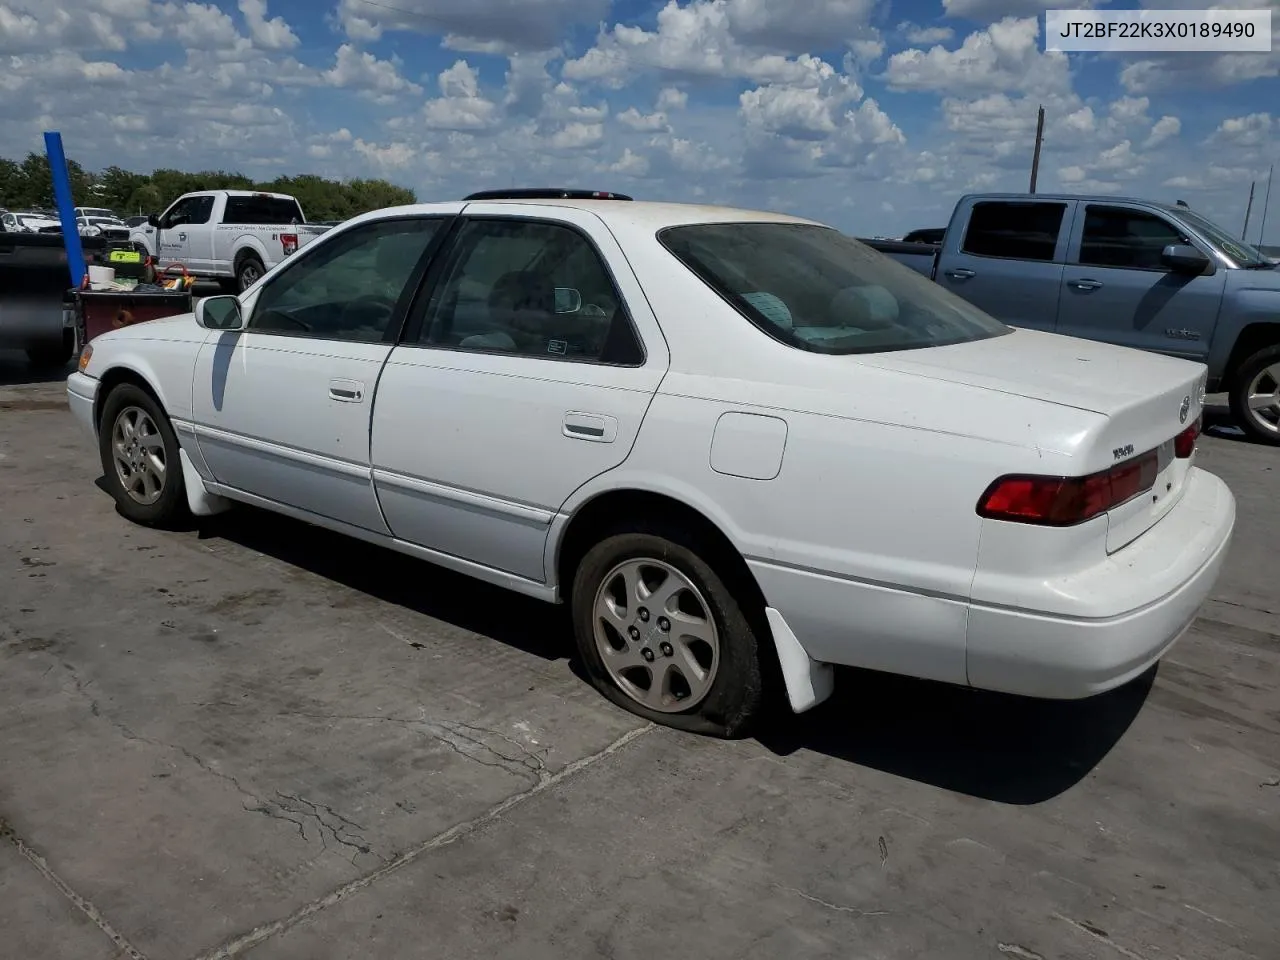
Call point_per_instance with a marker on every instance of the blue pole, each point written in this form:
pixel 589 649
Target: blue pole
pixel 66 206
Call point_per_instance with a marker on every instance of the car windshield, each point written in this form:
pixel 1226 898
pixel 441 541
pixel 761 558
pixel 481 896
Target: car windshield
pixel 816 289
pixel 1242 253
pixel 99 213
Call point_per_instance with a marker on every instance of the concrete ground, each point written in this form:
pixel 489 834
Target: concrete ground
pixel 259 740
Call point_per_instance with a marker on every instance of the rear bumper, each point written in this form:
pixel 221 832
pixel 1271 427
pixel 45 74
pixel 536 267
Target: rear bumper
pixel 1166 574
pixel 82 393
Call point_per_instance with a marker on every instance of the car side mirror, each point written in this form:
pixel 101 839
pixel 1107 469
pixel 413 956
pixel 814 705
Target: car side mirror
pixel 153 220
pixel 1184 258
pixel 568 300
pixel 219 313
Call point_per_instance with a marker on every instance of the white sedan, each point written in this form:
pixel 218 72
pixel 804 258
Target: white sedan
pixel 742 447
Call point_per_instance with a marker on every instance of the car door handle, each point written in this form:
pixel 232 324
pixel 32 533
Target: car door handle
pixel 960 273
pixel 1083 284
pixel 347 391
pixel 590 426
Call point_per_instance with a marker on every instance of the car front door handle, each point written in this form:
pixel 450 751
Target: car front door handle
pixel 960 273
pixel 1084 284
pixel 346 391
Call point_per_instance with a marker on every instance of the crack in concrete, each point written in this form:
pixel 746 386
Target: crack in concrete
pixel 464 739
pixel 275 810
pixel 839 908
pixel 246 941
pixel 83 904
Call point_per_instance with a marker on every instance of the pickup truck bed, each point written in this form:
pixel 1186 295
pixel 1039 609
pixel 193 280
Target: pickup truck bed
pixel 1130 272
pixel 921 257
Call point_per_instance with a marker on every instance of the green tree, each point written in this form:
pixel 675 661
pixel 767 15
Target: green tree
pixel 28 183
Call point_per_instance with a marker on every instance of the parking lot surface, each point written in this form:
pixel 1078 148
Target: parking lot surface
pixel 256 739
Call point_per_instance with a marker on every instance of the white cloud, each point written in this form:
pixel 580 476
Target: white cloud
pixel 1253 130
pixel 361 71
pixel 646 122
pixel 925 36
pixel 503 25
pixel 671 98
pixel 994 9
pixel 1166 128
pixel 267 34
pixel 1006 56
pixel 461 106
pixel 704 38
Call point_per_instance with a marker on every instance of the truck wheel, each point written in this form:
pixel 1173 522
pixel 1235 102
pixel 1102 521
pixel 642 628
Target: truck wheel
pixel 249 270
pixel 1255 395
pixel 139 453
pixel 660 633
pixel 53 356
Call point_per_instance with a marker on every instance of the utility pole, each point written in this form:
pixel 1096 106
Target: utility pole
pixel 1247 210
pixel 1266 203
pixel 1035 159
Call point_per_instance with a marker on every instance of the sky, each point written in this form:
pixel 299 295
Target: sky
pixel 871 116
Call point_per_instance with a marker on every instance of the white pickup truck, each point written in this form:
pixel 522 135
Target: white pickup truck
pixel 232 235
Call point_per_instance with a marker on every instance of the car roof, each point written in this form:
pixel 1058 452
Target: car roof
pixel 635 214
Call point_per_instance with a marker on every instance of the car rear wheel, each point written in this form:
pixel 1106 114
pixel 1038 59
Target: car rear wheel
pixel 1255 396
pixel 661 634
pixel 249 270
pixel 139 452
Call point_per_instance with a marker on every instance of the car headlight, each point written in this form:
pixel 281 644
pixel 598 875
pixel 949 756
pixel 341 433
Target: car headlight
pixel 86 354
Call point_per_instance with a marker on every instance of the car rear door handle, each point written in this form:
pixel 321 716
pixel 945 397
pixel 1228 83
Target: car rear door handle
pixel 1084 284
pixel 960 273
pixel 594 427
pixel 347 391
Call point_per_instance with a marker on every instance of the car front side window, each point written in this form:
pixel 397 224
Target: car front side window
pixel 351 286
pixel 532 288
pixel 1122 237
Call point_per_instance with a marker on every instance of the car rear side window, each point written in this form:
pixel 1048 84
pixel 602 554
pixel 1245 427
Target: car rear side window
pixel 1122 237
pixel 533 288
pixel 262 210
pixel 816 289
pixel 1014 230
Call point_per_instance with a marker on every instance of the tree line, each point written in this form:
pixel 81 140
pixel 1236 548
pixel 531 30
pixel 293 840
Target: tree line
pixel 26 184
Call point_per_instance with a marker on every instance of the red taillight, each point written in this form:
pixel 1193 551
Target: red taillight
pixel 1184 444
pixel 289 241
pixel 1064 501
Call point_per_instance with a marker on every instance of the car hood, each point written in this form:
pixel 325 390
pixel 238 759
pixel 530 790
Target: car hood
pixel 182 327
pixel 1098 377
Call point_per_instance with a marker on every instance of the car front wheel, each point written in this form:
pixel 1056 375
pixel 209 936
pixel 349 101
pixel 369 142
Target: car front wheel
pixel 139 452
pixel 661 634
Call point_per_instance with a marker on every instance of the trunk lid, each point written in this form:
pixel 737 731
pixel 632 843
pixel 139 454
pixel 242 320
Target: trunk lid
pixel 1146 398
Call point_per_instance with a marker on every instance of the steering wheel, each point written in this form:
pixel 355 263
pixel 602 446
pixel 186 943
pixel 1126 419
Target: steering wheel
pixel 279 320
pixel 366 300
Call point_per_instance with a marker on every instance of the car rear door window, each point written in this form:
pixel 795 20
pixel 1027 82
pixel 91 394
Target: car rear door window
pixel 1124 237
pixel 255 210
pixel 533 288
pixel 1014 230
pixel 349 287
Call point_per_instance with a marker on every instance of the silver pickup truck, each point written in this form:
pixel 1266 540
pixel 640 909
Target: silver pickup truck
pixel 1131 272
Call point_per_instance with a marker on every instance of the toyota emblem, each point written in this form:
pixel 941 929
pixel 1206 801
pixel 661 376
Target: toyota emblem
pixel 1185 409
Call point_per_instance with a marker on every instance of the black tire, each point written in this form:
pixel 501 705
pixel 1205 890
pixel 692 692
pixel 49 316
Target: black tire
pixel 736 697
pixel 249 269
pixel 53 356
pixel 167 510
pixel 1257 426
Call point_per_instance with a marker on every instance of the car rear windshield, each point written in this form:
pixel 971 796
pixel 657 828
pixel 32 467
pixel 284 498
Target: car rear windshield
pixel 262 210
pixel 816 289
